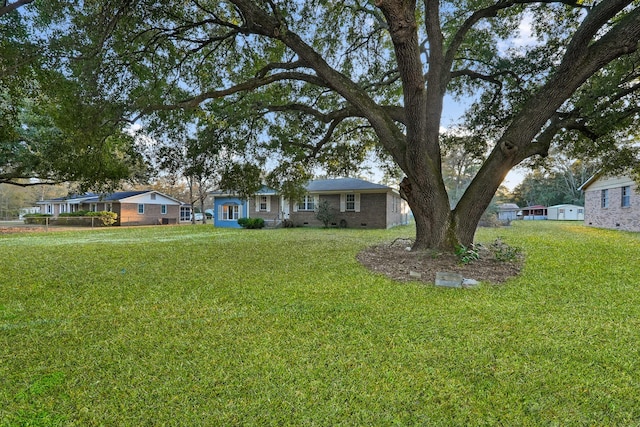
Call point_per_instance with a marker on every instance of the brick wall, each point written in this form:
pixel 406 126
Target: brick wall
pixel 614 216
pixel 128 214
pixel 373 212
pixel 270 217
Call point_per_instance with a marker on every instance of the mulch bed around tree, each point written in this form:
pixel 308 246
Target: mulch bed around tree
pixel 398 263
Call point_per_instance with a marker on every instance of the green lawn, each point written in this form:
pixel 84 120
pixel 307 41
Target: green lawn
pixel 186 326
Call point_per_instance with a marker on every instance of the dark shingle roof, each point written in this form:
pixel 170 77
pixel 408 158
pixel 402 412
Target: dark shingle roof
pixel 343 184
pixel 119 195
pixel 321 185
pixel 111 197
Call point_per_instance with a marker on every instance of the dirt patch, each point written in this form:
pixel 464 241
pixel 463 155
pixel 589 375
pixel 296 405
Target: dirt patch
pixel 10 230
pixel 396 262
pixel 11 227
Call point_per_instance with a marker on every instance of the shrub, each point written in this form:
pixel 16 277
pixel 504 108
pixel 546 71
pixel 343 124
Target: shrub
pixel 504 252
pixel 251 223
pixel 74 218
pixel 107 218
pixel 324 213
pixel 36 218
pixel 467 255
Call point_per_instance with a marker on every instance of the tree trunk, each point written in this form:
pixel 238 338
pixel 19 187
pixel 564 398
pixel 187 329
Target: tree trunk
pixel 432 216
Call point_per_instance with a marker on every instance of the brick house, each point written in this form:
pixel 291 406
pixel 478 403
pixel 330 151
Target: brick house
pixel 355 203
pixel 611 202
pixel 146 207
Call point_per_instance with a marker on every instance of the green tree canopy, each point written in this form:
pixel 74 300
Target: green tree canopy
pixel 321 82
pixel 56 125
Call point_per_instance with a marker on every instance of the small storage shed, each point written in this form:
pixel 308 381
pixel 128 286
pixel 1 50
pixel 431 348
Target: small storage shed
pixel 508 212
pixel 565 213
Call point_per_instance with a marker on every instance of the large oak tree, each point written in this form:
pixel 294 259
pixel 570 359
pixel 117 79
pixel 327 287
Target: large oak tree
pixel 323 82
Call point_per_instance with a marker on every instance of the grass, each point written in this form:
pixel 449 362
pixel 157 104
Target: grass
pixel 185 326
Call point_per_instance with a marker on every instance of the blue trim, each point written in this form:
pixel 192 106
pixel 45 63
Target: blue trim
pixel 225 201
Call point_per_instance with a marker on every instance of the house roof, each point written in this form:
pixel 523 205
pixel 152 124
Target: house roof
pixel 264 190
pixel 590 181
pixel 322 186
pixel 343 184
pixel 116 196
pixel 110 197
pixel 607 179
pixel 508 207
pixel 565 205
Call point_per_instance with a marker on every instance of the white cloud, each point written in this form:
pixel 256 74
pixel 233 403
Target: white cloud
pixel 525 32
pixel 523 37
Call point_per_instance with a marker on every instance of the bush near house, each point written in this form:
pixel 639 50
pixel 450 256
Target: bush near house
pixel 78 218
pixel 325 213
pixel 251 223
pixel 36 218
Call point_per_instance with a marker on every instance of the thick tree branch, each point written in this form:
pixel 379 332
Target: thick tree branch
pixel 8 8
pixel 279 66
pixel 15 181
pixel 258 21
pixel 397 113
pixel 246 86
pixel 489 12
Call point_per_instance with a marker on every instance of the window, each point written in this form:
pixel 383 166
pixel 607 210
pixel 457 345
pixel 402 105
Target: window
pixel 626 196
pixel 307 204
pixel 163 209
pixel 140 209
pixel 153 196
pixel 230 212
pixel 185 213
pixel 263 203
pixel 350 201
pixel 94 207
pixel 604 198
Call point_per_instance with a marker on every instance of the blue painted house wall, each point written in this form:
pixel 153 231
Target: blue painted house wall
pixel 223 206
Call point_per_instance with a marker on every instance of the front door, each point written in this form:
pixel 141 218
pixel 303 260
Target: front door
pixel 285 208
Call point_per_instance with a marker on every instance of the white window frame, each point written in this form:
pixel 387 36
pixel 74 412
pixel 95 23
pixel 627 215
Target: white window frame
pixel 347 205
pixel 163 209
pixel 308 203
pixel 350 202
pixel 625 195
pixel 226 209
pixel 185 213
pixel 140 208
pixel 604 198
pixel 263 203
